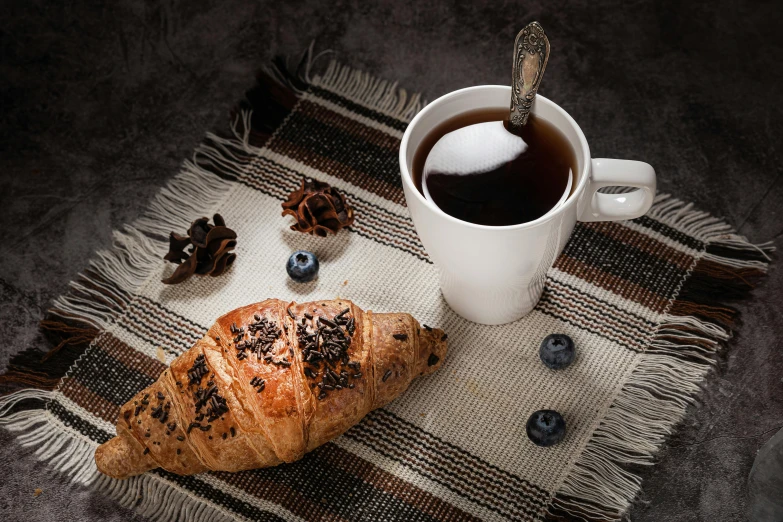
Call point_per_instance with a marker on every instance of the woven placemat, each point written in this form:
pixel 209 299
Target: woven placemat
pixel 641 299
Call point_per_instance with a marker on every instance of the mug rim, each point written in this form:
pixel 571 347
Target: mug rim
pixel 571 200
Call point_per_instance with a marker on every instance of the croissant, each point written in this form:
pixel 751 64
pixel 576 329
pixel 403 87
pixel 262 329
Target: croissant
pixel 268 383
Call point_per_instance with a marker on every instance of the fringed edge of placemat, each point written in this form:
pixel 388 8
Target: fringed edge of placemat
pixel 667 377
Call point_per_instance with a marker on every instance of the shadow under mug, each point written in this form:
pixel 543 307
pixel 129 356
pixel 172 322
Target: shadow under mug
pixel 495 275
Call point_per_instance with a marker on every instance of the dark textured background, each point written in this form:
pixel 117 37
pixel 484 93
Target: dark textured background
pixel 101 103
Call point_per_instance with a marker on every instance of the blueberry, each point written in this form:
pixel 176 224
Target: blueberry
pixel 557 351
pixel 302 266
pixel 546 427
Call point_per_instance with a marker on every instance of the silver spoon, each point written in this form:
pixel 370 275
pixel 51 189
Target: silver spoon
pixel 483 147
pixel 531 52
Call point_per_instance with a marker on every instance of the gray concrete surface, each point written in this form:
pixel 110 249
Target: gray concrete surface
pixel 101 102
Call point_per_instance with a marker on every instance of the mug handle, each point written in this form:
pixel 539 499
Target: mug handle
pixel 614 207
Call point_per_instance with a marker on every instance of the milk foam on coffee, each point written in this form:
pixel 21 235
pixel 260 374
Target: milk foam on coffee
pixel 483 172
pixel 474 149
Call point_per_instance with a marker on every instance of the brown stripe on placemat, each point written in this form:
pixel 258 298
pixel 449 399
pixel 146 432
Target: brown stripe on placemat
pixel 156 327
pixel 173 320
pixel 625 261
pixel 348 125
pixel 635 318
pixel 391 450
pixel 465 462
pixel 130 357
pixel 455 453
pixel 329 95
pixel 363 165
pixel 403 244
pixel 612 283
pixel 671 233
pixel 402 489
pixel 89 400
pixel 113 375
pixel 594 315
pixel 256 484
pixel 371 221
pixel 279 181
pixel 622 234
pixel 473 484
pixel 722 315
pixel 336 488
pixel 596 323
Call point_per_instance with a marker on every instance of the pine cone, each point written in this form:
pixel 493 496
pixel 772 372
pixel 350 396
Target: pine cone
pixel 209 252
pixel 318 209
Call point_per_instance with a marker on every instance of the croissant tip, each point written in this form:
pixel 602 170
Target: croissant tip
pixel 122 457
pixel 433 349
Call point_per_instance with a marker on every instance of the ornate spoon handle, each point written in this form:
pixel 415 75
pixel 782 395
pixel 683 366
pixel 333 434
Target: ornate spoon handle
pixel 531 52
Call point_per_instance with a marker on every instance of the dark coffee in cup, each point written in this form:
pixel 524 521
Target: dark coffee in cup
pixel 520 187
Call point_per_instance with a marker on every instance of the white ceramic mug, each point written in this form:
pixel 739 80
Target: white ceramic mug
pixel 495 275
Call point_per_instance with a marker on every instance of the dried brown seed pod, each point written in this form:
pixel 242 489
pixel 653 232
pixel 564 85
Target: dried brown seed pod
pixel 318 209
pixel 209 250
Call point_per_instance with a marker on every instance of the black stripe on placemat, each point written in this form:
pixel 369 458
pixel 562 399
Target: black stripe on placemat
pixel 463 482
pixel 345 103
pixel 669 232
pixel 157 323
pixel 494 499
pixel 422 437
pixel 73 421
pixel 225 500
pixel 555 300
pixel 603 302
pixel 624 261
pixel 588 328
pixel 350 229
pixel 265 172
pixel 320 481
pixel 189 328
pixel 108 377
pixel 140 329
pixel 334 143
pixel 312 478
pixel 498 508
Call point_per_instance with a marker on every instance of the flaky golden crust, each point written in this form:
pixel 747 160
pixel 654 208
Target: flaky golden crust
pixel 269 382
